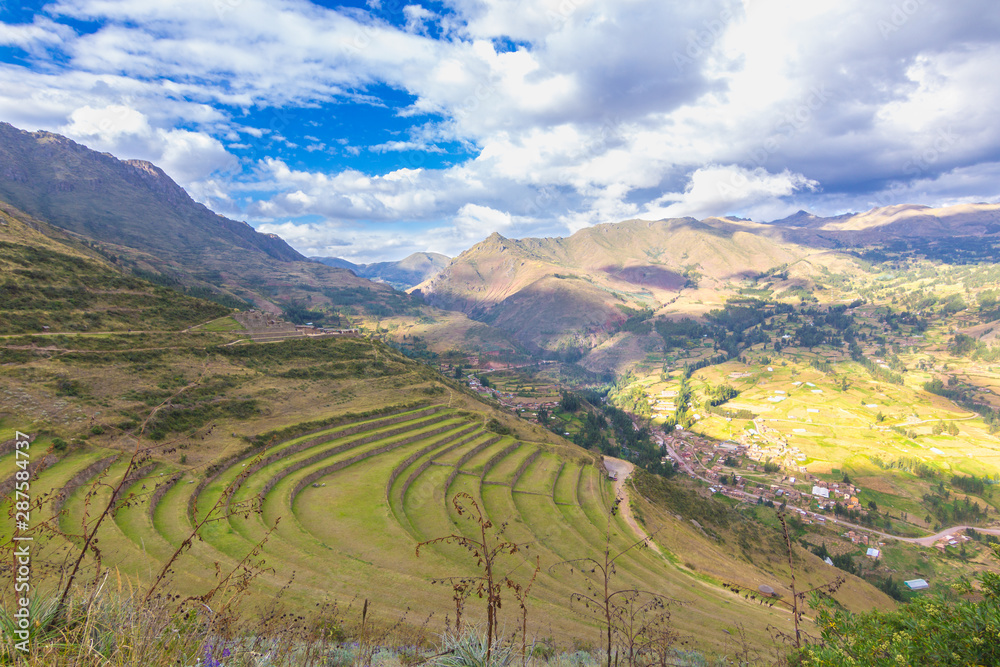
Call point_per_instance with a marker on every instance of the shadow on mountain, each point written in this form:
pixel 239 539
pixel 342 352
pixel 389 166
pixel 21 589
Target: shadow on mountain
pixel 647 276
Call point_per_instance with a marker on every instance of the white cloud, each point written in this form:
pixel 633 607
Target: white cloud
pixel 576 111
pixel 718 190
pixel 417 18
pixel 476 222
pixel 39 34
pixel 391 146
pixel 189 157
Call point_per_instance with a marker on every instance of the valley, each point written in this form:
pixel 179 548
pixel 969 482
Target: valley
pixel 722 406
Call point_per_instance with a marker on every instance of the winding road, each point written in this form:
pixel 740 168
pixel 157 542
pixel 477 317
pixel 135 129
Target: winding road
pixel 927 541
pixel 621 470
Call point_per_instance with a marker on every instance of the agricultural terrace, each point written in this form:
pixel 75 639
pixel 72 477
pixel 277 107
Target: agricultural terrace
pixel 339 512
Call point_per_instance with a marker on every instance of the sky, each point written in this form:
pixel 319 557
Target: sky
pixel 371 130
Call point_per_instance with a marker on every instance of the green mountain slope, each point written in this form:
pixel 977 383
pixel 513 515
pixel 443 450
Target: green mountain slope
pixel 140 218
pixel 127 202
pixel 51 280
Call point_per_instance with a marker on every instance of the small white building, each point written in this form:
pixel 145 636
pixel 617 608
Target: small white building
pixel 917 584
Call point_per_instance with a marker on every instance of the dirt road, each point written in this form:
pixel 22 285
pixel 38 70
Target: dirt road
pixel 621 470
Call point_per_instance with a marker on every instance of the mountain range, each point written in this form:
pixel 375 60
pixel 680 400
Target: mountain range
pixel 553 296
pixel 404 274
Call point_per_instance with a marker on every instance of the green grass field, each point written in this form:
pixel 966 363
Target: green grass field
pixel 340 511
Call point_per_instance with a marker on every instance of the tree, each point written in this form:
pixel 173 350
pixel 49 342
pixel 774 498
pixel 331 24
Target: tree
pixel 928 631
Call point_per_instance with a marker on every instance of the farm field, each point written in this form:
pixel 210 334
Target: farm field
pixel 885 386
pixel 341 510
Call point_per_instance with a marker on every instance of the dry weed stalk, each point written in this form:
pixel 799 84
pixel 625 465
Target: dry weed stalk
pixel 798 602
pixel 639 619
pixel 487 552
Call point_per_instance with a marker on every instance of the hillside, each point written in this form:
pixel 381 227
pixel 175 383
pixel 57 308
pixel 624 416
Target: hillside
pixel 404 274
pixel 50 281
pixel 331 460
pixel 131 215
pixel 138 217
pixel 570 293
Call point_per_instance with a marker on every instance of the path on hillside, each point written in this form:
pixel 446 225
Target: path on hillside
pixel 621 470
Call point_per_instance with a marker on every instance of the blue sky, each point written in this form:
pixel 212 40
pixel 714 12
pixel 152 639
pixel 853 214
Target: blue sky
pixel 370 130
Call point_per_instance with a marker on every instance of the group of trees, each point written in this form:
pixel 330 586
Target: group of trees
pixel 929 630
pixel 611 430
pixel 954 512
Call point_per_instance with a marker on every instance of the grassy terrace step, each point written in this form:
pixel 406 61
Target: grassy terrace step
pixel 134 518
pixel 477 463
pixel 308 439
pixel 369 437
pixel 564 492
pixel 502 472
pixel 424 503
pixel 89 500
pixel 358 434
pixel 319 458
pixel 418 468
pixel 534 522
pixel 436 447
pixel 465 457
pixel 497 458
pixel 594 502
pixel 79 479
pixel 515 478
pixel 53 478
pixel 540 475
pixel 283 481
pixel 382 449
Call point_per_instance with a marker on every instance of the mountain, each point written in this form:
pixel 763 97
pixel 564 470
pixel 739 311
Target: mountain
pixel 129 215
pixel 139 219
pixel 902 221
pixel 339 263
pixel 570 293
pixel 403 274
pixel 127 202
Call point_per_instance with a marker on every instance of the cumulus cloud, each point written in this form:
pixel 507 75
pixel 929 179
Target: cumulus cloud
pixel 189 157
pixel 728 188
pixel 475 222
pixel 573 111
